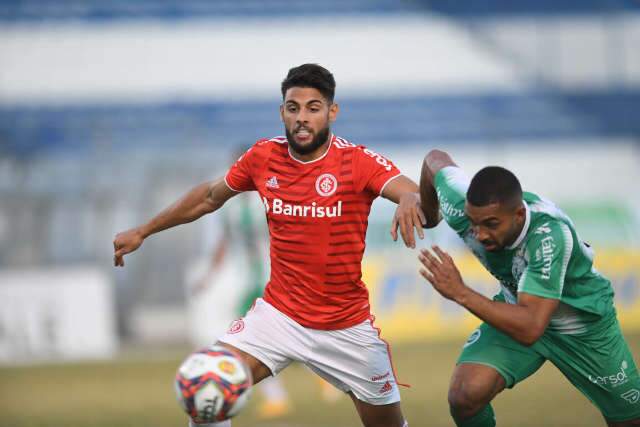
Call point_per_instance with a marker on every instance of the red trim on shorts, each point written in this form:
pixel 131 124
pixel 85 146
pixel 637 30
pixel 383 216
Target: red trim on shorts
pixel 372 319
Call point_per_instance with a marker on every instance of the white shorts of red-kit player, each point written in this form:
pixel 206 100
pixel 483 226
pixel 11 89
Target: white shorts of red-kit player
pixel 353 359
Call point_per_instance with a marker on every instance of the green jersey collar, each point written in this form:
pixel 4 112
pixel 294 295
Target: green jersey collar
pixel 525 228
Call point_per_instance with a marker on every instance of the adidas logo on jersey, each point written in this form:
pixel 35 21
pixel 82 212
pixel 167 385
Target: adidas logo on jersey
pixel 272 182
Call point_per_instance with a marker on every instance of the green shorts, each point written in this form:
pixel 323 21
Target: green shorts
pixel 598 362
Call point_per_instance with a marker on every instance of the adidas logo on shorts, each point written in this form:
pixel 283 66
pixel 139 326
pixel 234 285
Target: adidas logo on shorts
pixel 386 388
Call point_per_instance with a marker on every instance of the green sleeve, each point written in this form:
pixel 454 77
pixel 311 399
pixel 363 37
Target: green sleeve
pixel 451 186
pixel 549 252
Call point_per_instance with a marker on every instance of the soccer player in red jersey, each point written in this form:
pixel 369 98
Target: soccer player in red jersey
pixel 317 190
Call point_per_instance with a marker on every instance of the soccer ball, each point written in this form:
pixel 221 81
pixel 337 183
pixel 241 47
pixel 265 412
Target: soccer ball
pixel 213 384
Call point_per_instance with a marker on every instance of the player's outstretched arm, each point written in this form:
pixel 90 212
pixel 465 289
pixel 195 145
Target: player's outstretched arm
pixel 433 162
pixel 202 199
pixel 525 321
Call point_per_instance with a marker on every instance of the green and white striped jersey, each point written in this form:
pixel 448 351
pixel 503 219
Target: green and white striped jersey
pixel 547 260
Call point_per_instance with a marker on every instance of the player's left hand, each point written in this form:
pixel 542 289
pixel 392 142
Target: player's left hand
pixel 442 273
pixel 408 216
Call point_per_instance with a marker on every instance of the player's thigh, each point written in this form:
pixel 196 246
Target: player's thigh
pixel 356 360
pixel 389 415
pixel 259 370
pixel 600 364
pixel 497 353
pixel 266 338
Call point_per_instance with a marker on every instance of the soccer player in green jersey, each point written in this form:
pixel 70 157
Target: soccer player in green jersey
pixel 553 304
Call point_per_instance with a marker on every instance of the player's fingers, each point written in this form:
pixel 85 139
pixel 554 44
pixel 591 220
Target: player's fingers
pixel 427 275
pixel 417 223
pixel 407 236
pixel 447 256
pixel 447 261
pixel 409 226
pixel 423 218
pixel 428 261
pixel 119 257
pixel 441 254
pixel 394 227
pixel 434 264
pixel 431 257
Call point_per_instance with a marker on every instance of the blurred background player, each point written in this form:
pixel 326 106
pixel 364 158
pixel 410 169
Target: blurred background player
pixel 553 304
pixel 317 190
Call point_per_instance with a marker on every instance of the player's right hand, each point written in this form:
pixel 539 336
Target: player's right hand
pixel 124 243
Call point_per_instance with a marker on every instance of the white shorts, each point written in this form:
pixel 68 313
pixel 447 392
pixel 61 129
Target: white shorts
pixel 354 359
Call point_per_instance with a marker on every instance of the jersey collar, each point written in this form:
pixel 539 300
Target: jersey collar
pixel 331 137
pixel 525 228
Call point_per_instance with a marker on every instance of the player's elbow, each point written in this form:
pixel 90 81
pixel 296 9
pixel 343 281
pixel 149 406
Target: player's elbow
pixel 531 335
pixel 528 340
pixel 433 218
pixel 217 194
pixel 436 160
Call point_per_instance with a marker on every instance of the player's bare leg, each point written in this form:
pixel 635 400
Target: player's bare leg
pixel 379 415
pixel 472 388
pixel 259 370
pixel 630 423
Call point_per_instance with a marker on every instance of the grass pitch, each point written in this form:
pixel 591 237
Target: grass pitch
pixel 138 391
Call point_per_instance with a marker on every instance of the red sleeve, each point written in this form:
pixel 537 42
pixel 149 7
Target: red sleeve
pixel 239 177
pixel 372 171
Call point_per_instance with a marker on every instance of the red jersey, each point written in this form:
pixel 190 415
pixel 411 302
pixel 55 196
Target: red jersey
pixel 317 213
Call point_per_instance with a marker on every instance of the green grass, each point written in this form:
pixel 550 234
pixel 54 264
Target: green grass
pixel 138 392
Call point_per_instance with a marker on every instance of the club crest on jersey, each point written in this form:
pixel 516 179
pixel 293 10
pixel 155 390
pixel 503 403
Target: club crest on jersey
pixel 326 184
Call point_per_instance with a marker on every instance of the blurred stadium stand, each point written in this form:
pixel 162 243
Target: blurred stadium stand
pixel 427 120
pixel 507 9
pixel 71 173
pixel 35 11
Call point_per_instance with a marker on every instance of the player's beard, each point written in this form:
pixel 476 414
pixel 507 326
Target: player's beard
pixel 317 141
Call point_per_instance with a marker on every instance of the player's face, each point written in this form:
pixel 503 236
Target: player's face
pixel 307 116
pixel 495 226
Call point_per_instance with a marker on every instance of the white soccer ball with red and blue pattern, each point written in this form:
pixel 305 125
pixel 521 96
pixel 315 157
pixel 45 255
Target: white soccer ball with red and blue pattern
pixel 213 384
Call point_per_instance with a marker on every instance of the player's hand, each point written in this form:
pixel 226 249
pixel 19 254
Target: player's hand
pixel 442 273
pixel 408 216
pixel 124 243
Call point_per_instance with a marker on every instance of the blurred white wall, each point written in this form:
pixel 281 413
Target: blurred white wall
pixel 248 59
pixel 56 314
pixel 590 51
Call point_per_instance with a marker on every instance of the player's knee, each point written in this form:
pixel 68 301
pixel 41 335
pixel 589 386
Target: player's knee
pixel 629 423
pixel 388 423
pixel 466 398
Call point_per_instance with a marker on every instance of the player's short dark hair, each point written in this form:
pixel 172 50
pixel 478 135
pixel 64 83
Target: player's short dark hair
pixel 310 75
pixel 494 184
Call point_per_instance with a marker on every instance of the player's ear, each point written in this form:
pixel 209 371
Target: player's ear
pixel 521 211
pixel 282 113
pixel 334 109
